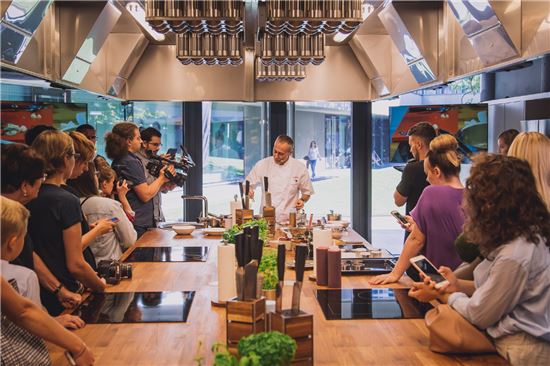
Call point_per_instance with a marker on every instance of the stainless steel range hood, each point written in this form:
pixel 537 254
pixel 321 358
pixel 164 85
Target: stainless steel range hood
pixel 400 46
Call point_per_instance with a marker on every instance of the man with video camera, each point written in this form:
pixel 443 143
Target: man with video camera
pixel 123 144
pixel 150 144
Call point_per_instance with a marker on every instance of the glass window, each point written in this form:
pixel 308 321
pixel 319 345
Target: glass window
pixel 322 136
pixel 233 140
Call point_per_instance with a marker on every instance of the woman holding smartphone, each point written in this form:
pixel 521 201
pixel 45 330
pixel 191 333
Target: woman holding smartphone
pixel 55 222
pixel 111 244
pixel 510 294
pixel 437 218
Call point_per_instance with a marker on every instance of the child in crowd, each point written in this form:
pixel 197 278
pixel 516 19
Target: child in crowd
pixel 14 229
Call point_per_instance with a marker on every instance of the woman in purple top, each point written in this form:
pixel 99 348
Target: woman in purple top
pixel 437 218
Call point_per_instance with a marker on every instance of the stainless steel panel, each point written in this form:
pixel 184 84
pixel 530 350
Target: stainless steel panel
pixel 422 72
pixel 26 14
pixel 474 16
pixel 400 35
pixel 77 71
pixel 13 43
pixel 99 32
pixel 493 46
pixel 89 41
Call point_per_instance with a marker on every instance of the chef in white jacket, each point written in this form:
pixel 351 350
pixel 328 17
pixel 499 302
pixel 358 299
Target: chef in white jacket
pixel 289 182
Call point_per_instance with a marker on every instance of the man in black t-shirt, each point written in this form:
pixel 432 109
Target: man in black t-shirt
pixel 413 181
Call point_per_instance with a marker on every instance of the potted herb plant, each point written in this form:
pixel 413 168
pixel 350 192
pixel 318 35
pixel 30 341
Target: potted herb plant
pixel 268 267
pixel 262 349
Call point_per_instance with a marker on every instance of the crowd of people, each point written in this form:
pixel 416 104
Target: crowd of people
pixel 490 239
pixel 64 209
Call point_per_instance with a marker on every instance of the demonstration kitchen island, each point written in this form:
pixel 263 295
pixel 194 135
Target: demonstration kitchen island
pixel 336 342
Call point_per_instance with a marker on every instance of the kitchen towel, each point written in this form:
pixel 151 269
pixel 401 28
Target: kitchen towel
pixel 226 272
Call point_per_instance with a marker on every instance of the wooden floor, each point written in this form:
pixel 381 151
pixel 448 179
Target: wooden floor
pixel 345 342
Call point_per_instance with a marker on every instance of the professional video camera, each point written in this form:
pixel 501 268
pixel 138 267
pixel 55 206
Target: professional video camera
pixel 156 163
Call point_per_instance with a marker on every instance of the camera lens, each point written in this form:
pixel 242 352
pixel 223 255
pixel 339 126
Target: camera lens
pixel 126 270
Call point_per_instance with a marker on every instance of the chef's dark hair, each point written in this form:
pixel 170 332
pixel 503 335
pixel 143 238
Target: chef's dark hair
pixel 286 139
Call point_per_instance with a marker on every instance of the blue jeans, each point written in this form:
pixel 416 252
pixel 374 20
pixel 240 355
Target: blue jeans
pixel 313 163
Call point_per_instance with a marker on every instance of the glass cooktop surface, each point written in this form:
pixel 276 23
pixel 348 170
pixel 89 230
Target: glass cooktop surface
pixel 136 307
pixel 168 254
pixel 375 303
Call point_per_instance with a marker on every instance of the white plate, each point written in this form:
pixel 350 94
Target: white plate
pixel 214 231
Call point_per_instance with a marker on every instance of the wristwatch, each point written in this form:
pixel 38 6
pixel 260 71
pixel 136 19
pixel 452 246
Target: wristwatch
pixel 57 289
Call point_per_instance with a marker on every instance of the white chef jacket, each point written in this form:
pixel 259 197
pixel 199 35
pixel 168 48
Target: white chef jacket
pixel 285 181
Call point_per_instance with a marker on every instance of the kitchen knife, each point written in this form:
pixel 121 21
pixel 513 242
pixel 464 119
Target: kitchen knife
pixel 281 253
pixel 251 266
pixel 239 274
pixel 242 194
pixel 267 195
pixel 247 192
pixel 300 263
pixel 266 184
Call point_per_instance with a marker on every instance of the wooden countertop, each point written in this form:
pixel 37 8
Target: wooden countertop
pixel 336 342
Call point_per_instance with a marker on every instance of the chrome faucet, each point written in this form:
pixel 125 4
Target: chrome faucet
pixel 203 219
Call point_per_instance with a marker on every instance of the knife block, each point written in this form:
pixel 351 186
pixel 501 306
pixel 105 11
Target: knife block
pixel 244 318
pixel 243 215
pixel 300 328
pixel 269 216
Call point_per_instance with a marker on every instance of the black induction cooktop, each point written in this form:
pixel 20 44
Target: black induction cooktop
pixel 376 303
pixel 136 307
pixel 168 254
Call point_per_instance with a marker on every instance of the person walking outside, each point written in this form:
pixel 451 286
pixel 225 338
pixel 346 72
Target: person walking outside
pixel 313 155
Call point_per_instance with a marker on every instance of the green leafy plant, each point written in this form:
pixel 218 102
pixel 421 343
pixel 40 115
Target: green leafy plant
pixel 273 348
pixel 229 235
pixel 268 267
pixel 222 357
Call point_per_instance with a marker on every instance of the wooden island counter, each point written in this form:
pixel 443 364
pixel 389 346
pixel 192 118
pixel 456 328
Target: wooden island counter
pixel 336 342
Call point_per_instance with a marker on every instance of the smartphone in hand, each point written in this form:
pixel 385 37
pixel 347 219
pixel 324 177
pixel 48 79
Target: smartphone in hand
pixel 423 265
pixel 402 219
pixel 172 152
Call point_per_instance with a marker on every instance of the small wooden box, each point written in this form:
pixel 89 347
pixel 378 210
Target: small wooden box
pixel 300 328
pixel 242 215
pixel 244 318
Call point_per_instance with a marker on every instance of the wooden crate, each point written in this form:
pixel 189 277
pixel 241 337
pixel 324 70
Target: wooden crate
pixel 242 216
pixel 243 318
pixel 300 328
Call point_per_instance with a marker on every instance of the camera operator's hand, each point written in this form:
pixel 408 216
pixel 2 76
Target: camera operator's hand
pixel 68 299
pixel 165 168
pixel 102 226
pixel 122 188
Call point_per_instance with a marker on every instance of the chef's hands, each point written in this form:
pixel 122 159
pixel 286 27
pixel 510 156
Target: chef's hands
pixel 300 204
pixel 251 194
